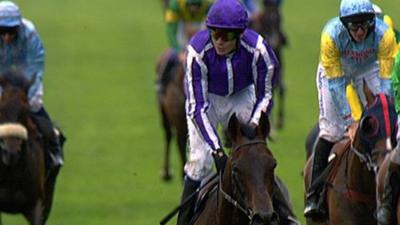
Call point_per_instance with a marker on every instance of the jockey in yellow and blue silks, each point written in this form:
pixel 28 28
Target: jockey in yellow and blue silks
pixel 22 49
pixel 355 47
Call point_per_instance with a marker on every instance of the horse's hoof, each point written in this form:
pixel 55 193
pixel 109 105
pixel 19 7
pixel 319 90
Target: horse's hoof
pixel 166 176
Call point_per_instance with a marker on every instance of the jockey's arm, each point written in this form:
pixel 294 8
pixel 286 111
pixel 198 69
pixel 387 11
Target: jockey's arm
pixel 266 68
pixel 330 60
pixel 35 69
pixel 395 77
pixel 172 19
pixel 196 98
pixel 386 54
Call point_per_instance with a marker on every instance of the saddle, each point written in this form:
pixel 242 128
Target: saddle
pixel 203 197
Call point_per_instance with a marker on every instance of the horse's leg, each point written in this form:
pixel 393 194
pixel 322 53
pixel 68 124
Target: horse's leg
pixel 397 210
pixel 281 94
pixel 182 139
pixel 1 221
pixel 35 214
pixel 50 186
pixel 166 173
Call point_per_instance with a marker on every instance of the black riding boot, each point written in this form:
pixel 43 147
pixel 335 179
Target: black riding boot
pixel 385 210
pixel 282 205
pixel 53 137
pixel 314 203
pixel 186 212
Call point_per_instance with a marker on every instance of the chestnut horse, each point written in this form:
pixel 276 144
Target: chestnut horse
pixel 268 24
pixel 25 185
pixel 171 102
pixel 243 193
pixel 350 181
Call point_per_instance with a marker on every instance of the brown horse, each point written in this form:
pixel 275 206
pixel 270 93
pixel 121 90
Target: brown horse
pixel 171 101
pixel 383 170
pixel 350 181
pixel 268 24
pixel 243 193
pixel 25 185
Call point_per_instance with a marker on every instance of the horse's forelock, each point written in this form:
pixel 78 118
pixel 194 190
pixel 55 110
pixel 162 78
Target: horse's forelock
pixel 248 131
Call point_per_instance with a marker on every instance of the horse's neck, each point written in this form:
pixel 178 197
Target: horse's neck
pixel 358 175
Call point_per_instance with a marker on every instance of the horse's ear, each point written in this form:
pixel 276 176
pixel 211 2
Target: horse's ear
pixel 233 127
pixel 264 125
pixel 368 94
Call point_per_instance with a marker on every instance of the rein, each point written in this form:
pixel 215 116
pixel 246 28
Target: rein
pixel 246 211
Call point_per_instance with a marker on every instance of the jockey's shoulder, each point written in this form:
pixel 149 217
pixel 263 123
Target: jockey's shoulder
pixel 250 37
pixel 200 40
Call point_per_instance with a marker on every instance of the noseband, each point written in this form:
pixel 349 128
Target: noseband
pixel 245 210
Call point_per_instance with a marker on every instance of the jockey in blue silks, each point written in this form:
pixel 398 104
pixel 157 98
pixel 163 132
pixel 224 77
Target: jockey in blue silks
pixel 355 47
pixel 21 49
pixel 229 70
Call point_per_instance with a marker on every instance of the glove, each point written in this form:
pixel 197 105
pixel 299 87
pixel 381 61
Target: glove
pixel 220 159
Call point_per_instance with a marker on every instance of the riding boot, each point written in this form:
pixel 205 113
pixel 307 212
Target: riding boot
pixel 53 137
pixel 282 205
pixel 385 211
pixel 188 205
pixel 314 207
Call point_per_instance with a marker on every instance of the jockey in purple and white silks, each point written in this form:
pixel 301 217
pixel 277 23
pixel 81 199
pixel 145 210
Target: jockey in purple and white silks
pixel 21 49
pixel 355 47
pixel 229 70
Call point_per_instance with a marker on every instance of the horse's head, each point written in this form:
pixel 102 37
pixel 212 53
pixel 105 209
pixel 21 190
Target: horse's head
pixel 249 174
pixel 14 116
pixel 377 130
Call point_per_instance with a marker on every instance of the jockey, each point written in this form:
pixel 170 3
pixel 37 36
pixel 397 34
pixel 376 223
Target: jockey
pixel 184 18
pixel 22 49
pixel 391 181
pixel 229 70
pixel 355 47
pixel 387 19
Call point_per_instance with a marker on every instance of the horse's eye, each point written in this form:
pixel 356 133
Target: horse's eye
pixel 369 126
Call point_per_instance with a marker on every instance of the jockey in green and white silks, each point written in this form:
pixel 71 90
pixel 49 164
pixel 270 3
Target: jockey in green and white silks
pixel 355 47
pixel 21 49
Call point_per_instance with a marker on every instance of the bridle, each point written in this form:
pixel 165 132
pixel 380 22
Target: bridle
pixel 245 210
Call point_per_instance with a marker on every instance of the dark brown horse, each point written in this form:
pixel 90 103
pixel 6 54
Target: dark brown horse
pixel 383 170
pixel 350 184
pixel 25 185
pixel 171 101
pixel 268 24
pixel 243 195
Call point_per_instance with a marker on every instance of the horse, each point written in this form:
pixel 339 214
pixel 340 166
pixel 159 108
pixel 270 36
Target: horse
pixel 171 102
pixel 349 193
pixel 242 194
pixel 268 24
pixel 382 173
pixel 26 186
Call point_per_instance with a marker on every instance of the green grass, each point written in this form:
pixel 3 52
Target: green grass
pixel 99 86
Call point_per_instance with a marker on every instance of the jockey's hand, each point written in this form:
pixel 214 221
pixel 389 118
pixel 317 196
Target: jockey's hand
pixel 182 57
pixel 220 159
pixel 351 131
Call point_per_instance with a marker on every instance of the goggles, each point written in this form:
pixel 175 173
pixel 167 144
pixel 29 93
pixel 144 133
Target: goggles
pixel 225 35
pixel 8 30
pixel 364 25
